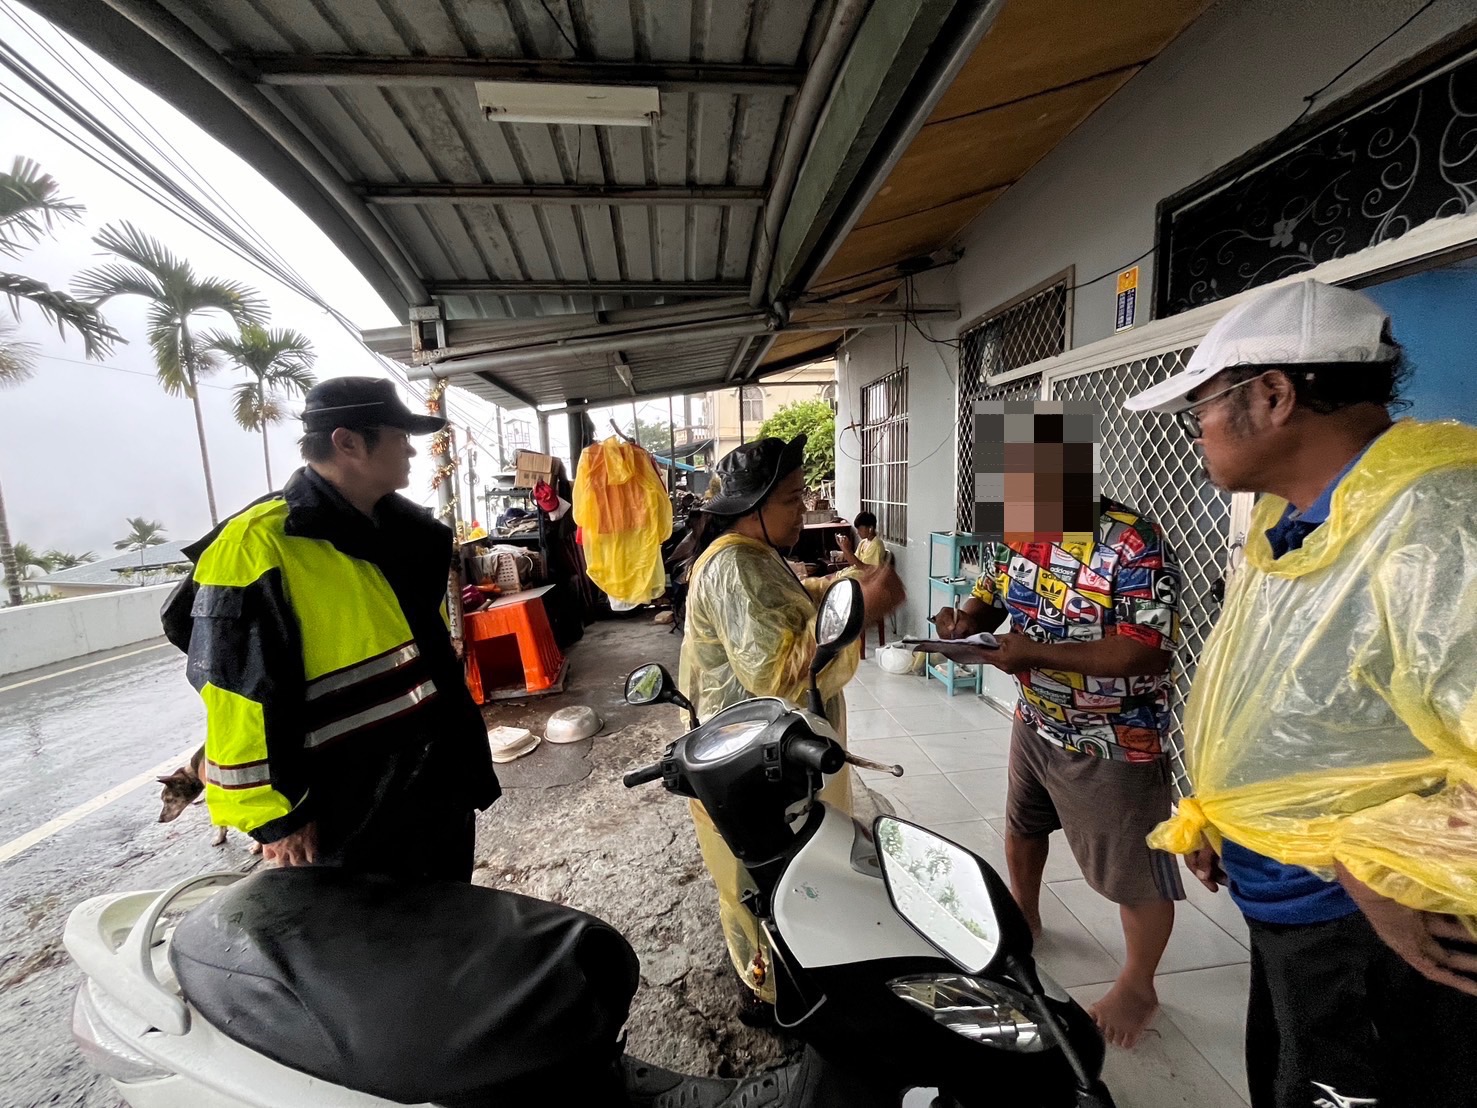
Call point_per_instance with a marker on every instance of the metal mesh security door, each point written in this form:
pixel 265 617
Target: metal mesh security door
pixel 884 435
pixel 1150 464
pixel 1029 330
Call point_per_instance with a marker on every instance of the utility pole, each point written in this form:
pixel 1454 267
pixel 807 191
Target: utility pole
pixel 502 450
pixel 471 481
pixel 671 451
pixel 443 452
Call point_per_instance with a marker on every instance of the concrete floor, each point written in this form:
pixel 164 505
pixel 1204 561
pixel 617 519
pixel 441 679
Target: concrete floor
pixel 567 830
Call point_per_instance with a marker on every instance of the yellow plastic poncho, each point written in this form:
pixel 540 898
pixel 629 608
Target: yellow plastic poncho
pixel 624 515
pixel 1334 714
pixel 751 632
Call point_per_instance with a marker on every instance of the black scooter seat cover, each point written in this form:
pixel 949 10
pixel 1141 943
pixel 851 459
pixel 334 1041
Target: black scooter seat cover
pixel 410 991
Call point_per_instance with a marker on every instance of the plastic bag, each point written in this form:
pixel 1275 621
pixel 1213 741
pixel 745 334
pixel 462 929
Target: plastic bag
pixel 1334 714
pixel 624 517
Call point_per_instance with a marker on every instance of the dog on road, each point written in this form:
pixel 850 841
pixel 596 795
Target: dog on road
pixel 184 787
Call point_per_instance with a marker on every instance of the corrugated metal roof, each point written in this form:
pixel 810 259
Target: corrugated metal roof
pixel 392 134
pixel 366 113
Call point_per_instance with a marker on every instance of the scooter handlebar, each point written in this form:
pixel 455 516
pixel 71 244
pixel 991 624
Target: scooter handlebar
pixel 821 755
pixel 643 775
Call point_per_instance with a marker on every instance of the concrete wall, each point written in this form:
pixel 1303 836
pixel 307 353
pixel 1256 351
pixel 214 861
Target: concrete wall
pixel 57 630
pixel 1235 78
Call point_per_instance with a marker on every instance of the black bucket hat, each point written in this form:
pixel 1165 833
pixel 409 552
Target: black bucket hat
pixel 749 473
pixel 360 402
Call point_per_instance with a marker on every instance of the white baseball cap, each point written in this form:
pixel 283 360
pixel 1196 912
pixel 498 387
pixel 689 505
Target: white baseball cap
pixel 1305 323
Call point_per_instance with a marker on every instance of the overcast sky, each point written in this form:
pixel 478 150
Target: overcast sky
pixel 85 445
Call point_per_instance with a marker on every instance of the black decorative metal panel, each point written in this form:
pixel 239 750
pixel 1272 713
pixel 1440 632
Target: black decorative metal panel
pixel 1028 331
pixel 1409 158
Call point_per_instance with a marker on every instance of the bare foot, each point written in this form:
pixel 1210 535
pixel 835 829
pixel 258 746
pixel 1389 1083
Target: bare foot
pixel 1124 1013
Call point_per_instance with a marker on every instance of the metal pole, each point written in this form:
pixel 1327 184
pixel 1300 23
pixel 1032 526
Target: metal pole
pixel 502 450
pixel 471 510
pixel 442 451
pixel 671 450
pixel 635 425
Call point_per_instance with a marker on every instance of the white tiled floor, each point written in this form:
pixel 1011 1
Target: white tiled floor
pixel 955 751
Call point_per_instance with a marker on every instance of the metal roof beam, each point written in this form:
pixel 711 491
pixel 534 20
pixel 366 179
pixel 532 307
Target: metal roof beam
pixel 904 57
pixel 587 288
pixel 398 69
pixel 439 192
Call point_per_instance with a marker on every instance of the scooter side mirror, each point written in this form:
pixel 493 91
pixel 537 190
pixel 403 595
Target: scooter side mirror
pixel 648 684
pixel 950 897
pixel 838 623
pixel 652 684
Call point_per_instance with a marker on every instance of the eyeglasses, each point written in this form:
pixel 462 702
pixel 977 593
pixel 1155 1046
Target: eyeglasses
pixel 1189 418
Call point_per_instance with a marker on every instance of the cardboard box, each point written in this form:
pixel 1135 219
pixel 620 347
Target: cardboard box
pixel 532 468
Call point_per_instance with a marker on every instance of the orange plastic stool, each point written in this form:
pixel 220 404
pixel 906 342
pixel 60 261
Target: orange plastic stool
pixel 526 620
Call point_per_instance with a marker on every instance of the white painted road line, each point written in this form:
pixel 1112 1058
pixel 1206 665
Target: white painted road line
pixel 67 819
pixel 79 669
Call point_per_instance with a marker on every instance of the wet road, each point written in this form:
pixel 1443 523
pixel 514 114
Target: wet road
pixel 68 739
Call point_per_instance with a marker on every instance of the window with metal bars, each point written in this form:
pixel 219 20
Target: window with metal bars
pixel 752 400
pixel 884 442
pixel 1027 329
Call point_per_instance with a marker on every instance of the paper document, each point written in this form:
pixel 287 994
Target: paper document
pixel 984 640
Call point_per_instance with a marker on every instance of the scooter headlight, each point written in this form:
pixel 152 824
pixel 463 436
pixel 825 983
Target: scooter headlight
pixel 982 1011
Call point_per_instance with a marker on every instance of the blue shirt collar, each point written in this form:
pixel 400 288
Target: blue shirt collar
pixel 1294 526
pixel 1317 512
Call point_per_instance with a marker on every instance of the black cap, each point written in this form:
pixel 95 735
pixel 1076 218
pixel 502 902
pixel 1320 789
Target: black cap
pixel 360 402
pixel 749 473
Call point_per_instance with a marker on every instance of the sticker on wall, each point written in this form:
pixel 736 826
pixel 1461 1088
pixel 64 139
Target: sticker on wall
pixel 1128 296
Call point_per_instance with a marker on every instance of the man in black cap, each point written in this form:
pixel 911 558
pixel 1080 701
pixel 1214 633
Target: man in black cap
pixel 338 727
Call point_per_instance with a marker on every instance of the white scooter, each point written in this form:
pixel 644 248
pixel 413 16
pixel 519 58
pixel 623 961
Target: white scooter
pixel 903 967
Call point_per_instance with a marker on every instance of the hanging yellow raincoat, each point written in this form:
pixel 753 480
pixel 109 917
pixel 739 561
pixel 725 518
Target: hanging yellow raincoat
pixel 751 632
pixel 1334 714
pixel 624 515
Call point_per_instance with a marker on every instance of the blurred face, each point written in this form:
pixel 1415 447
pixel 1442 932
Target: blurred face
pixel 784 512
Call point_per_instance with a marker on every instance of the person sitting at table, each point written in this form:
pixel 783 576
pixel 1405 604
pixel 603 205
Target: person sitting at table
pixel 870 550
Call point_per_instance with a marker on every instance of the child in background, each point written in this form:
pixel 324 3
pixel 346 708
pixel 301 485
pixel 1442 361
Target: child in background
pixel 869 552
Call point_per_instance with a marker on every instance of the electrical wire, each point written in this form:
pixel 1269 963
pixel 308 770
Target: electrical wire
pixel 47 104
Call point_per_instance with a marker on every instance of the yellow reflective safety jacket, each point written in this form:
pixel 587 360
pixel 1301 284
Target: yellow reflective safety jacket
pixel 317 639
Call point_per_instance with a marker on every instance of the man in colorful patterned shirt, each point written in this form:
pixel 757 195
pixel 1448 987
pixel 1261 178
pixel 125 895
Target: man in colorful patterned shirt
pixel 1093 620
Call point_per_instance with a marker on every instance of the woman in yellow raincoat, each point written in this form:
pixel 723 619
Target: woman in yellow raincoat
pixel 750 631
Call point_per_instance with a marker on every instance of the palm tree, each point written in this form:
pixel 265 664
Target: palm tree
pixel 280 359
pixel 65 559
pixel 144 533
pixel 177 294
pixel 28 557
pixel 31 207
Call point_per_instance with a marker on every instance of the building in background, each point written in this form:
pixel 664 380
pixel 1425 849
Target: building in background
pixel 736 418
pixel 160 565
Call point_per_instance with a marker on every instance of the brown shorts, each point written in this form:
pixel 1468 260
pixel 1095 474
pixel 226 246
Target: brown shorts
pixel 1105 808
